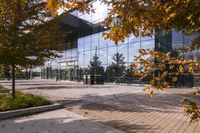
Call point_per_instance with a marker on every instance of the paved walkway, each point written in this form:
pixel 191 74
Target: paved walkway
pixel 59 121
pixel 126 108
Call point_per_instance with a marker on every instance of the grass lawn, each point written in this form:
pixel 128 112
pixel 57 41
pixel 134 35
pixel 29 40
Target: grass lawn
pixel 22 100
pixel 2 87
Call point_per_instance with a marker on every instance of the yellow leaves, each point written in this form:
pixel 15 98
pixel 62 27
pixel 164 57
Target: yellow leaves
pixel 152 81
pixel 136 58
pixel 197 92
pixel 189 17
pixel 190 69
pixel 143 52
pixel 197 77
pixel 165 74
pixel 116 34
pixel 52 5
pixel 171 15
pixel 168 9
pixel 147 88
pixel 177 1
pixel 165 84
pixel 134 74
pixel 158 78
pixel 181 69
pixel 171 67
pixel 151 93
pixel 81 6
pixel 143 76
pixel 164 67
pixel 191 109
pixel 174 79
pixel 141 20
pixel 194 93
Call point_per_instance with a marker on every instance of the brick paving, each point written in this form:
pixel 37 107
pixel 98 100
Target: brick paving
pixel 139 113
pixel 126 108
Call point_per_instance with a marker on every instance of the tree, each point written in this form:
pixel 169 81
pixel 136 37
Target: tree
pixel 143 17
pixel 117 68
pixel 165 69
pixel 95 67
pixel 28 35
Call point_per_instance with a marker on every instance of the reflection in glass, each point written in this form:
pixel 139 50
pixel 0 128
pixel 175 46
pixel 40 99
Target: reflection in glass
pixel 148 44
pixel 102 41
pixel 81 44
pixel 87 43
pixel 111 52
pixel 95 41
pixel 133 50
pixel 87 58
pixel 103 55
pixel 122 49
pixel 81 58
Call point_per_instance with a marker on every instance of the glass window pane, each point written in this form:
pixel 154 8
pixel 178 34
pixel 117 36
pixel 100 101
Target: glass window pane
pixel 81 44
pixel 87 58
pixel 148 44
pixel 147 38
pixel 133 50
pixel 111 52
pixel 67 54
pixel 102 42
pixel 176 37
pixel 100 12
pixel 81 58
pixel 122 49
pixel 73 53
pixel 95 41
pixel 103 56
pixel 188 39
pixel 87 42
pixel 132 39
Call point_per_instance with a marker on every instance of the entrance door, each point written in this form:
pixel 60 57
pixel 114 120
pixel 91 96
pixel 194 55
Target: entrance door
pixel 71 74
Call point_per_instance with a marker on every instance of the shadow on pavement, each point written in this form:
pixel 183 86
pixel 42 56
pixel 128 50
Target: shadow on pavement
pixel 54 125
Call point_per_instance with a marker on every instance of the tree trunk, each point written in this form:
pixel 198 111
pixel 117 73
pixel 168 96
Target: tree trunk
pixel 13 81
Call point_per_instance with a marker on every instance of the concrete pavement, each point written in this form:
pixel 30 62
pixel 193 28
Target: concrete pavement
pixel 59 121
pixel 127 108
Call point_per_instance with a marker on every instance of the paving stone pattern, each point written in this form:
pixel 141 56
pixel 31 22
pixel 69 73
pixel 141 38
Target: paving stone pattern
pixel 126 108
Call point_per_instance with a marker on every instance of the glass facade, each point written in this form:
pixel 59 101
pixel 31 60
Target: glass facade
pixel 106 49
pixel 181 42
pixel 87 42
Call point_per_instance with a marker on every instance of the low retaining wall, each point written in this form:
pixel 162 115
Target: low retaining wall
pixel 29 111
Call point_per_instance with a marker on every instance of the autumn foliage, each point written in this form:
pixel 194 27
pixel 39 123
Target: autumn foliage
pixel 143 17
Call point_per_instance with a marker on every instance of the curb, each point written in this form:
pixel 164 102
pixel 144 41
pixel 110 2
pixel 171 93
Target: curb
pixel 29 111
pixel 4 91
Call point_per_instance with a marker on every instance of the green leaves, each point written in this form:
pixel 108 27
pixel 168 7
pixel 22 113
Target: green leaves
pixel 27 37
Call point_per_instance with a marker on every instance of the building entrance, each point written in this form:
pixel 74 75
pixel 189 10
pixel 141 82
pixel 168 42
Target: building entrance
pixel 67 71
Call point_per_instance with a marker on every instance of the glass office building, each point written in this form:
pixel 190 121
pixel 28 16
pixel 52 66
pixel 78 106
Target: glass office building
pixel 86 41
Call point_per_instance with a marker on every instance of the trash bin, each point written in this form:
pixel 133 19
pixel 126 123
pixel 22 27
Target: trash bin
pixel 85 79
pixel 89 79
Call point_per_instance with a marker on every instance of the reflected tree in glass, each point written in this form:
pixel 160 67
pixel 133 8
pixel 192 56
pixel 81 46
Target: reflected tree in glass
pixel 117 70
pixel 95 66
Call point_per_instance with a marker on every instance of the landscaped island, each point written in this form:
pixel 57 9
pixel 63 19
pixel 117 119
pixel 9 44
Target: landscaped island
pixel 2 87
pixel 22 100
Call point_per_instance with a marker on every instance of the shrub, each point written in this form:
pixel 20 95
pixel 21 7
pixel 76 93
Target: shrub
pixel 22 100
pixel 2 87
